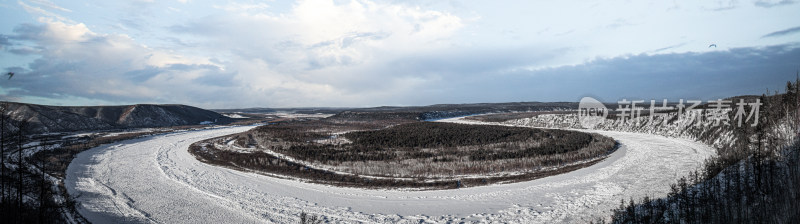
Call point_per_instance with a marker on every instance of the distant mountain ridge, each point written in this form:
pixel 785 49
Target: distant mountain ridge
pixel 436 111
pixel 44 118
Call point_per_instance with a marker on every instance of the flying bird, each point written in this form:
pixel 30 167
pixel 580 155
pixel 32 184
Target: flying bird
pixel 712 45
pixel 10 74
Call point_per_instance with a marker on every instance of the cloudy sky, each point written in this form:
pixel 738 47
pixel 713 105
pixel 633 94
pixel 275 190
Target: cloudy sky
pixel 343 53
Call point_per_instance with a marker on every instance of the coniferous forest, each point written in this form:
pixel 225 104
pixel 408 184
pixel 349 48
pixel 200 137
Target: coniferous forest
pixel 756 180
pixel 427 152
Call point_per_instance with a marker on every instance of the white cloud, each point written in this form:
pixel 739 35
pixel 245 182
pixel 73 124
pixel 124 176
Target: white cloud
pixel 42 12
pixel 319 53
pixel 49 4
pixel 773 3
pixel 352 52
pixel 242 7
pixel 78 63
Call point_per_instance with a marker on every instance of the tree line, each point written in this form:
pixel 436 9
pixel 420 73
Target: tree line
pixel 421 140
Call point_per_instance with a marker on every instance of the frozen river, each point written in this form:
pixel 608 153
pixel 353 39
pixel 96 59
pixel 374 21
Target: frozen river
pixel 155 179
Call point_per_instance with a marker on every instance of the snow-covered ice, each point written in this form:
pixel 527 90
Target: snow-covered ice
pixel 155 179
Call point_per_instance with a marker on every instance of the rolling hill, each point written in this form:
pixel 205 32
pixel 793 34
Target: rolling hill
pixel 43 118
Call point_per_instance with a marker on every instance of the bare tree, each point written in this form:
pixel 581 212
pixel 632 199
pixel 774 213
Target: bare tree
pixel 44 184
pixel 3 118
pixel 22 126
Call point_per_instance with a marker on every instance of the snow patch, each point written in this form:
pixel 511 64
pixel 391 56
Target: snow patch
pixel 234 116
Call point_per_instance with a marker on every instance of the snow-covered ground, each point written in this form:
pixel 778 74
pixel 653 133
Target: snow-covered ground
pixel 233 115
pixel 155 179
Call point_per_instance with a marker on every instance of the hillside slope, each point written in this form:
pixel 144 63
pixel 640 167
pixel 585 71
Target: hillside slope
pixel 43 118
